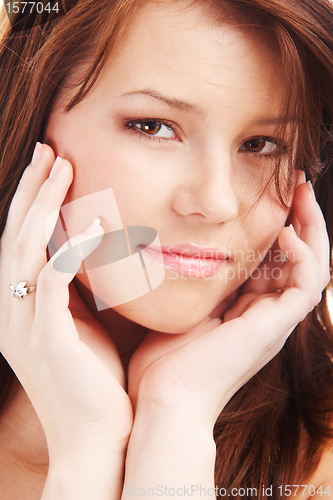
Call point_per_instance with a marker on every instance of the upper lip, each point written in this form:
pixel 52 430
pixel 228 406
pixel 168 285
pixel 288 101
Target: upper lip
pixel 190 250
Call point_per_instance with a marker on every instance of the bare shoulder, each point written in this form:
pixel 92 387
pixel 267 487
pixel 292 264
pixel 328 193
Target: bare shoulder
pixel 320 485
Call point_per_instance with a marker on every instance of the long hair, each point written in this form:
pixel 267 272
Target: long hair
pixel 290 401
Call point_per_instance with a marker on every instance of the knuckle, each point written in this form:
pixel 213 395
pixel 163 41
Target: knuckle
pixel 48 156
pixel 24 184
pixel 40 199
pixel 327 280
pixel 4 241
pixel 273 347
pixel 269 342
pixel 44 201
pixel 7 235
pixel 315 298
pixel 46 280
pixel 18 249
pixel 15 341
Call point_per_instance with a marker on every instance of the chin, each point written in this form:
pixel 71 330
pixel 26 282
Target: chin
pixel 172 326
pixel 165 318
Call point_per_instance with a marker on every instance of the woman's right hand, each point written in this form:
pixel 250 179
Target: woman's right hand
pixel 65 360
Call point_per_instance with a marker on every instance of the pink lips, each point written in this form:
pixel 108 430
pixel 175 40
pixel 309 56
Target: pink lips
pixel 188 260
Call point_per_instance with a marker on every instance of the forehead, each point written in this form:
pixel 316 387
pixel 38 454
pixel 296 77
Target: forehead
pixel 178 48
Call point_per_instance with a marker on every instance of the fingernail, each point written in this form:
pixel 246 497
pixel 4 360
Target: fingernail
pixel 292 228
pixel 309 183
pixel 56 167
pixel 93 226
pixel 37 154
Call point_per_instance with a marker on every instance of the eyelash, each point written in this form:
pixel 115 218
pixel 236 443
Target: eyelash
pixel 281 148
pixel 133 123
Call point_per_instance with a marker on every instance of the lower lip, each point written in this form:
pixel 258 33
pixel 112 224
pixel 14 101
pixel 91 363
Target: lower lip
pixel 185 266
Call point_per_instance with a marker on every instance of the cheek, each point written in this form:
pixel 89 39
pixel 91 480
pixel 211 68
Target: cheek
pixel 265 224
pixel 141 194
pixel 102 163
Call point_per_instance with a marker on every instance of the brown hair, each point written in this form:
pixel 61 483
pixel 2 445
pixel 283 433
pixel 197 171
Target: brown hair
pixel 258 434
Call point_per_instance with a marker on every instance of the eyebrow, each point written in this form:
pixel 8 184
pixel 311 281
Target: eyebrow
pixel 173 103
pixel 195 109
pixel 272 121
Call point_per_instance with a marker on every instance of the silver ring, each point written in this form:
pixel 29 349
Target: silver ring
pixel 20 290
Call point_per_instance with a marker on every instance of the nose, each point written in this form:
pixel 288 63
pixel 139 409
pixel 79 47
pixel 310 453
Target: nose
pixel 207 190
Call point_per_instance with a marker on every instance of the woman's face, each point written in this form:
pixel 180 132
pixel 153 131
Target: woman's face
pixel 182 126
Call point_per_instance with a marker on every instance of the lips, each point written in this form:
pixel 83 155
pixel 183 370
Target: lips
pixel 188 260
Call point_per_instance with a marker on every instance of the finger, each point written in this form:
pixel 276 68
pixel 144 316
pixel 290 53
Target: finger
pixel 313 228
pixel 240 306
pixel 262 279
pixel 223 306
pixel 299 299
pixel 52 294
pixel 309 224
pixel 292 219
pixel 283 277
pixel 270 318
pixel 29 249
pixel 261 331
pixel 31 181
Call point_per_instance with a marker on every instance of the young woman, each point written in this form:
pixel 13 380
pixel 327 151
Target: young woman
pixel 202 121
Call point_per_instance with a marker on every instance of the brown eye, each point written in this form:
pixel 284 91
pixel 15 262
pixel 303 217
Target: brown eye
pixel 260 145
pixel 153 128
pixel 255 145
pixel 150 127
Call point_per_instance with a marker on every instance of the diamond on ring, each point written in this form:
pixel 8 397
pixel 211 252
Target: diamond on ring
pixel 20 290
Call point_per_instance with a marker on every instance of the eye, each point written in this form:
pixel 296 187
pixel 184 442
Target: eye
pixel 153 128
pixel 262 145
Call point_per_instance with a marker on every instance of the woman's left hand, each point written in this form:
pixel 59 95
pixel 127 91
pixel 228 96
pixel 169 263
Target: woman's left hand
pixel 196 373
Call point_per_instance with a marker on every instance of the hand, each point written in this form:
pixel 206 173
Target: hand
pixel 195 374
pixel 304 219
pixel 65 360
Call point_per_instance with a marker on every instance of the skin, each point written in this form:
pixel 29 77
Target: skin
pixel 177 384
pixel 197 186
